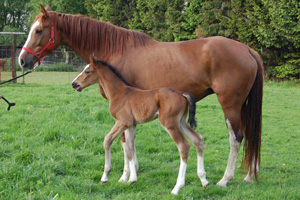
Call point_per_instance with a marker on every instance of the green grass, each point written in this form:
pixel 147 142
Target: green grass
pixel 51 147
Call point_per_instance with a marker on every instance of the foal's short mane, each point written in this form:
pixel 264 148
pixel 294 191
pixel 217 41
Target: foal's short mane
pixel 115 71
pixel 91 34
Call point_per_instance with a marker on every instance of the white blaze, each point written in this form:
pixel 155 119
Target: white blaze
pixel 37 23
pixel 81 72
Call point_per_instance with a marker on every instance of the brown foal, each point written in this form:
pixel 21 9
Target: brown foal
pixel 131 106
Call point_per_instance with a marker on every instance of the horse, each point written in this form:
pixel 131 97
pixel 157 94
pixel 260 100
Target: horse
pixel 228 68
pixel 131 106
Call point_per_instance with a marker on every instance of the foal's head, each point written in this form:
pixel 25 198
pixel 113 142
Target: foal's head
pixel 87 77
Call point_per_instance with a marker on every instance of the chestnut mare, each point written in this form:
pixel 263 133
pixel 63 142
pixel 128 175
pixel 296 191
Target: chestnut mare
pixel 230 69
pixel 131 106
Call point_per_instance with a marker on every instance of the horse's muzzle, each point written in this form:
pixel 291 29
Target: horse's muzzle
pixel 76 86
pixel 24 64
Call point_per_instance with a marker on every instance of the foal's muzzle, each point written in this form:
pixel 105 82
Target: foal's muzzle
pixel 76 86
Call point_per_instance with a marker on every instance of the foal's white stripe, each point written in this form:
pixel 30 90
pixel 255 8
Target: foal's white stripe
pixel 37 23
pixel 181 177
pixel 81 72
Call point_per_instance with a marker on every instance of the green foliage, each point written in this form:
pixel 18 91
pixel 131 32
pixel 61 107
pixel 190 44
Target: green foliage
pixel 7 39
pixel 116 12
pixel 159 19
pixel 70 6
pixel 59 67
pixel 12 13
pixel 277 23
pixel 289 70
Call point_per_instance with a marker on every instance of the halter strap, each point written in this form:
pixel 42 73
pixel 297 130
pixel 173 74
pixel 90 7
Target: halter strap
pixel 50 42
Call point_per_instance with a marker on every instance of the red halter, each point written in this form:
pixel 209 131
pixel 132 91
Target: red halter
pixel 51 42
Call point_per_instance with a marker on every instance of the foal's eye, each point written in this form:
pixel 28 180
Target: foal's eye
pixel 87 72
pixel 38 31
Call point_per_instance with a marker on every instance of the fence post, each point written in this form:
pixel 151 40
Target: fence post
pixel 13 58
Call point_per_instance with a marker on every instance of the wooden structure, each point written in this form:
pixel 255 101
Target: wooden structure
pixel 13 52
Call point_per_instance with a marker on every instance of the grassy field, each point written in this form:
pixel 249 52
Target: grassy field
pixel 51 147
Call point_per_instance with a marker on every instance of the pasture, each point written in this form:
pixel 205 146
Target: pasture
pixel 51 147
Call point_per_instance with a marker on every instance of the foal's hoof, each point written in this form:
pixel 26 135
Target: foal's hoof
pixel 248 181
pixel 132 181
pixel 206 186
pixel 103 182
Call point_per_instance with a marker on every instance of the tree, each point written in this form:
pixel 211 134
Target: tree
pixel 62 6
pixel 202 18
pixel 12 15
pixel 158 18
pixel 277 32
pixel 117 12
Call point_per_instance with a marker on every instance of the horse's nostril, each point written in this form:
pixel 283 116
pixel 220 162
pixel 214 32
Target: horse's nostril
pixel 74 84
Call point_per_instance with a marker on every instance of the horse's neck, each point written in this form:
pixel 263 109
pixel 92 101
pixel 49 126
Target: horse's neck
pixel 114 88
pixel 107 45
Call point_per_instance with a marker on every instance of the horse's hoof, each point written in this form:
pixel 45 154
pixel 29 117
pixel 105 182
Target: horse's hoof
pixel 221 184
pixel 206 186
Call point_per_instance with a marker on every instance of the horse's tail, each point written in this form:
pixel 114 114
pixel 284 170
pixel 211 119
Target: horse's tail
pixel 192 109
pixel 251 116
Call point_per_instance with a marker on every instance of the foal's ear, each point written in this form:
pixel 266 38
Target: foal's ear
pixel 92 59
pixel 45 11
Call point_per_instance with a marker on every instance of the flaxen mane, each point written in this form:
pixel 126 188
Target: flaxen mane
pixel 91 34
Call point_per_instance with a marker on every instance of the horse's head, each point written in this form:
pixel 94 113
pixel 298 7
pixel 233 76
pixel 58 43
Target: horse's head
pixel 40 40
pixel 87 77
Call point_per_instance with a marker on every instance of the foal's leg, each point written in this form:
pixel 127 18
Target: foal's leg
pixel 197 140
pixel 172 127
pixel 126 171
pixel 130 160
pixel 131 156
pixel 117 129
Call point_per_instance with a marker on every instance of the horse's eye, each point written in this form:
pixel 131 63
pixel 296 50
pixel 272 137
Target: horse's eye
pixel 87 72
pixel 38 31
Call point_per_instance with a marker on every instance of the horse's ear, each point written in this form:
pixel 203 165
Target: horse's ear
pixel 44 11
pixel 47 8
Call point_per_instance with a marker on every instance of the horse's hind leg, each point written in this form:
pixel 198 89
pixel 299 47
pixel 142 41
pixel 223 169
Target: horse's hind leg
pixel 172 127
pixel 117 129
pixel 233 120
pixel 197 140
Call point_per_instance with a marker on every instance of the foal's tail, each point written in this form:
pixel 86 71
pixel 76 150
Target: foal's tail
pixel 192 109
pixel 251 116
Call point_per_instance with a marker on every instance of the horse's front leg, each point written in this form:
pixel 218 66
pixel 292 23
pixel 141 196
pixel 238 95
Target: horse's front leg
pixel 130 159
pixel 117 129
